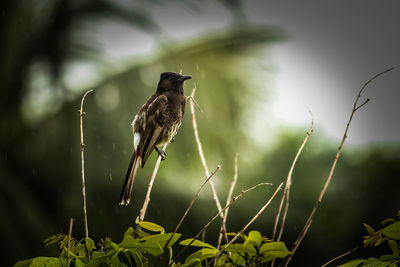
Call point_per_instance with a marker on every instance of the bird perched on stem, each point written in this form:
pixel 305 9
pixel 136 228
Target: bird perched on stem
pixel 156 124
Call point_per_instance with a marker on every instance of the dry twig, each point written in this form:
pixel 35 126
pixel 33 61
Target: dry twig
pixel 81 114
pixel 340 256
pixel 203 160
pixel 247 225
pixel 356 107
pixel 286 192
pixel 143 210
pixel 215 217
pixel 71 222
pixel 235 177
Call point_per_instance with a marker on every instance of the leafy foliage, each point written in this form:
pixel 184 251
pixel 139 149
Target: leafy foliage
pixel 253 251
pixel 389 234
pixel 143 248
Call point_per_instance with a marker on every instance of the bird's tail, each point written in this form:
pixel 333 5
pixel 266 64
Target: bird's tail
pixel 126 191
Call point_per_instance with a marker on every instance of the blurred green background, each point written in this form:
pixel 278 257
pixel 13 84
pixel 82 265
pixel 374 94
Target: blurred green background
pixel 49 57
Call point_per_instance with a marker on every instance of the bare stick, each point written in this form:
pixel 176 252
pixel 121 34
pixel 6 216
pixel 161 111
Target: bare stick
pixel 71 222
pixel 188 209
pixel 247 225
pixel 235 177
pixel 329 178
pixel 286 192
pixel 146 202
pixel 340 256
pixel 216 216
pixel 203 160
pixel 81 114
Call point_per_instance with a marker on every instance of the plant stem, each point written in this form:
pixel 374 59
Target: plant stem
pixel 81 114
pixel 146 202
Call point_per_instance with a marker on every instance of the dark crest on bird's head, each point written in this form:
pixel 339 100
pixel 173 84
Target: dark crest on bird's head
pixel 171 81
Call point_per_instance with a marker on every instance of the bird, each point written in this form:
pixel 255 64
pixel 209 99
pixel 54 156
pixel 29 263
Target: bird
pixel 155 125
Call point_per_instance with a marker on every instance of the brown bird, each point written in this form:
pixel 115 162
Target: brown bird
pixel 156 124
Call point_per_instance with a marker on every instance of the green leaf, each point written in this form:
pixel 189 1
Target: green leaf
pixel 128 241
pixel 274 250
pixel 353 263
pixel 241 248
pixel 38 262
pixel 151 226
pixel 388 221
pixel 196 243
pixel 153 244
pixel 238 260
pixel 90 246
pixel 100 260
pixel 394 247
pixel 129 231
pixel 195 255
pixel 369 229
pixel 79 263
pixel 137 257
pixel 24 263
pixel 126 258
pixel 202 254
pixel 54 239
pixel 392 231
pixel 195 262
pixel 115 261
pixel 373 262
pixel 162 239
pixel 254 238
pixel 98 254
pixel 389 257
pixel 208 253
pixel 223 260
pixel 379 241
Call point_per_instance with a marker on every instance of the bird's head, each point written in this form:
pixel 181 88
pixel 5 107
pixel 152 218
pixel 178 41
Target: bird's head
pixel 171 81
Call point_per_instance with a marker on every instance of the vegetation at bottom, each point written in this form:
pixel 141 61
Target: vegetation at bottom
pixel 149 245
pixel 389 235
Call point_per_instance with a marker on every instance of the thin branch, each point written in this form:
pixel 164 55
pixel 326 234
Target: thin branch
pixel 146 202
pixel 235 177
pixel 71 222
pixel 234 199
pixel 197 105
pixel 247 225
pixel 188 209
pixel 365 102
pixel 329 178
pixel 81 114
pixel 286 192
pixel 203 160
pixel 340 256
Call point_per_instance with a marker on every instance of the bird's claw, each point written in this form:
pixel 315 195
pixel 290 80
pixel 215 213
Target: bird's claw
pixel 161 153
pixel 172 140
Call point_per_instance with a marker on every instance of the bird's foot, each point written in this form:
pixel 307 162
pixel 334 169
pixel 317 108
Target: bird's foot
pixel 172 140
pixel 161 153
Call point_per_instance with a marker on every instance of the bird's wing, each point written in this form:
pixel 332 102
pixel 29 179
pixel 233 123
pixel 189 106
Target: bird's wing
pixel 154 127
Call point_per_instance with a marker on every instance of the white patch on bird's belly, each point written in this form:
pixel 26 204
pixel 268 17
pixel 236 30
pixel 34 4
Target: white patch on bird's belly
pixel 133 124
pixel 136 140
pixel 136 135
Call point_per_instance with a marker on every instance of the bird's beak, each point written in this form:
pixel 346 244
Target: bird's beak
pixel 184 78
